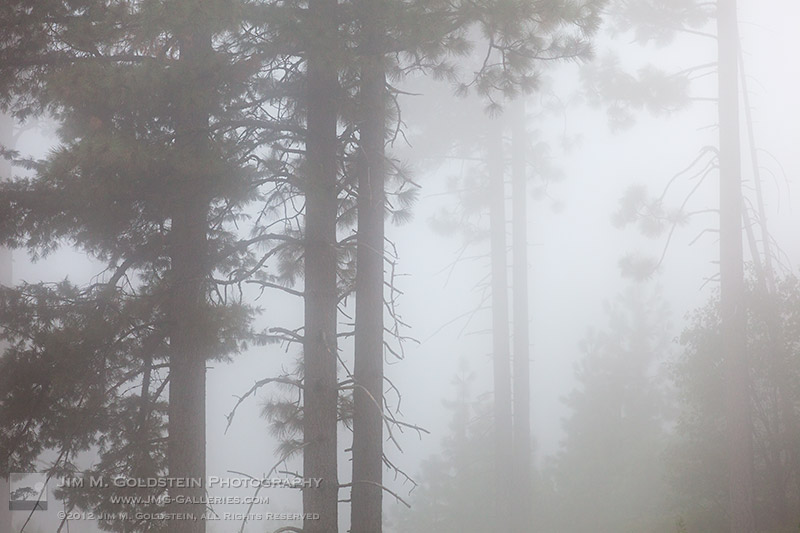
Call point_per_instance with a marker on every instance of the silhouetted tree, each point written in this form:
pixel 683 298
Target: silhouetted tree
pixel 320 352
pixel 147 179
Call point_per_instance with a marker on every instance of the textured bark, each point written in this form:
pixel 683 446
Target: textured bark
pixel 319 344
pixel 367 494
pixel 500 331
pixel 732 302
pixel 188 302
pixel 522 393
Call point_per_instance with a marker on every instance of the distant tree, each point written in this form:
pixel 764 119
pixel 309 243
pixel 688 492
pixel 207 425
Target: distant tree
pixel 647 19
pixel 456 489
pixel 609 475
pixel 523 453
pixel 697 459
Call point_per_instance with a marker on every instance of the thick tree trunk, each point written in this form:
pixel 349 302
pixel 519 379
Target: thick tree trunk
pixel 188 305
pixel 367 492
pixel 500 330
pixel 319 343
pixel 522 394
pixel 188 354
pixel 732 302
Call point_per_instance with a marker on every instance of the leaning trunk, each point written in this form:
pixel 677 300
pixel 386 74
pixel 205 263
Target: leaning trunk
pixel 732 301
pixel 320 390
pixel 367 492
pixel 522 394
pixel 188 303
pixel 500 330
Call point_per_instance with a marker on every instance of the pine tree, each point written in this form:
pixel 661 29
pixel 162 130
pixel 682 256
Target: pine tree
pixel 367 492
pixel 648 20
pixel 514 36
pixel 6 142
pixel 523 471
pixel 501 350
pixel 608 475
pixel 698 462
pixel 146 180
pixel 731 268
pixel 455 491
pixel 320 352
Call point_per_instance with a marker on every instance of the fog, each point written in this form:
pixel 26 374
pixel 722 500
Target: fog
pixel 584 166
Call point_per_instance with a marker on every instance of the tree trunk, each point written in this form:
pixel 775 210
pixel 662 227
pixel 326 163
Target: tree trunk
pixel 522 395
pixel 188 305
pixel 320 393
pixel 367 492
pixel 7 141
pixel 732 302
pixel 500 330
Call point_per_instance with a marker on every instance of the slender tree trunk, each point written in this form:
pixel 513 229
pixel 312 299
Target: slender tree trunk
pixel 522 388
pixel 320 394
pixel 188 305
pixel 732 302
pixel 769 271
pixel 500 330
pixel 367 492
pixel 6 140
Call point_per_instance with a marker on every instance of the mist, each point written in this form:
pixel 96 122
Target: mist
pixel 414 266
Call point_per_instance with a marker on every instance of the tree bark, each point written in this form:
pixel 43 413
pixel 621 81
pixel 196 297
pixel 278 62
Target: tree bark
pixel 732 301
pixel 500 330
pixel 188 302
pixel 367 492
pixel 320 394
pixel 522 396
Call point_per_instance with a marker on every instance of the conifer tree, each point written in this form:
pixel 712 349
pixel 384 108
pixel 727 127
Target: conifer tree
pixel 521 386
pixel 501 349
pixel 320 352
pixel 515 35
pixel 6 142
pixel 609 475
pixel 699 463
pixel 731 268
pixel 367 491
pixel 690 17
pixel 145 180
pixel 454 495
